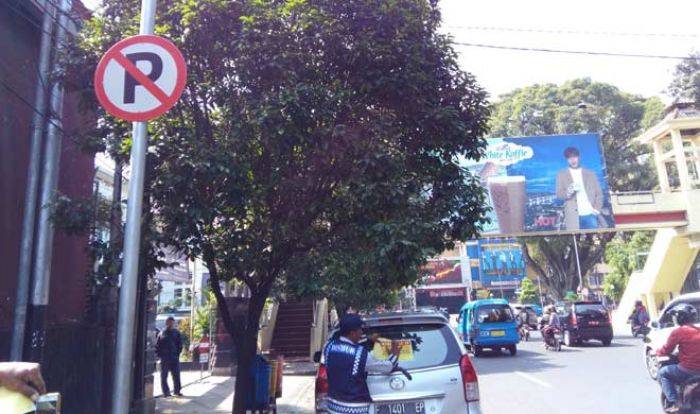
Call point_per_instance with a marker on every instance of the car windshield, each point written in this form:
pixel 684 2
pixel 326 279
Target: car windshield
pixel 422 346
pixel 494 314
pixel 582 308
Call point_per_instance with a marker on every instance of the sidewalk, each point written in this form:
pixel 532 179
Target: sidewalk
pixel 215 394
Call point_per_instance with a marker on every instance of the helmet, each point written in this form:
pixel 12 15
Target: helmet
pixel 638 303
pixel 684 314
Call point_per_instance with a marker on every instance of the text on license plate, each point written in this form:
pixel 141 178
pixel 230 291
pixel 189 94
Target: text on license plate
pixel 594 323
pixel 498 333
pixel 413 407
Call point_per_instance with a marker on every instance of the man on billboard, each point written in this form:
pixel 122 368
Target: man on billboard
pixel 581 192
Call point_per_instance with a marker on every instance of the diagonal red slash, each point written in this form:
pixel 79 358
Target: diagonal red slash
pixel 144 80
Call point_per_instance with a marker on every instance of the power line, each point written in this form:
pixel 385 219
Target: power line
pixel 573 52
pixel 575 32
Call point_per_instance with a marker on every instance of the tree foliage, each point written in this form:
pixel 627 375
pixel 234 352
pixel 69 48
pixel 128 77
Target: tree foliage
pixel 528 292
pixel 314 148
pixel 621 255
pixel 580 106
pixel 685 86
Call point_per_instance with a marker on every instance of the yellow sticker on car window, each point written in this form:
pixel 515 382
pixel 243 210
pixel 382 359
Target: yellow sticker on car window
pixel 382 349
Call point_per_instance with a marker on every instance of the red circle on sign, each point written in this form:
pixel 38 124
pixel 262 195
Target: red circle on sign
pixel 166 103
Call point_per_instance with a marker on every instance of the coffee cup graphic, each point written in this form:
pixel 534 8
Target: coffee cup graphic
pixel 509 201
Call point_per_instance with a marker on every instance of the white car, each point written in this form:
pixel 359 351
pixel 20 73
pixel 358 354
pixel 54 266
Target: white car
pixel 444 379
pixel 662 328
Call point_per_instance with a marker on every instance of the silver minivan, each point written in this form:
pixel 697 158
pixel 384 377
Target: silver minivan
pixel 444 378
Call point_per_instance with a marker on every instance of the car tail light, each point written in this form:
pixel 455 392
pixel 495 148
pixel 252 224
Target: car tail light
pixel 574 321
pixel 321 382
pixel 469 379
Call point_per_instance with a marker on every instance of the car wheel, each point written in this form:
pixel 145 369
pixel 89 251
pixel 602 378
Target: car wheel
pixel 606 342
pixel 568 341
pixel 513 350
pixel 652 365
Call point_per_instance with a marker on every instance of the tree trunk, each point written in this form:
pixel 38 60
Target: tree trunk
pixel 247 349
pixel 245 354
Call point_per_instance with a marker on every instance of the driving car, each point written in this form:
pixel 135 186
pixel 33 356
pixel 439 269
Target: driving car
pixel 584 321
pixel 661 329
pixel 488 323
pixel 444 380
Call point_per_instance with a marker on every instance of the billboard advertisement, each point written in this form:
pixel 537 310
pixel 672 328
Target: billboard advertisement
pixel 442 272
pixel 501 263
pixel 544 185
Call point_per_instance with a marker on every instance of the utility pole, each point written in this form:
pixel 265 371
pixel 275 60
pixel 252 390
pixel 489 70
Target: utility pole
pixel 28 221
pixel 44 246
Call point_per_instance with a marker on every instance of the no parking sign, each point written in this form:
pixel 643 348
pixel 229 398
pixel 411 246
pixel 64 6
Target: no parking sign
pixel 140 78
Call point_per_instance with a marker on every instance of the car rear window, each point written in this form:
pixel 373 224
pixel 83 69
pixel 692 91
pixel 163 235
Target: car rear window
pixel 582 308
pixel 494 314
pixel 430 345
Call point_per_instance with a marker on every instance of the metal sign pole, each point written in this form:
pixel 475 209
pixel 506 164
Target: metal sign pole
pixel 132 243
pixel 578 263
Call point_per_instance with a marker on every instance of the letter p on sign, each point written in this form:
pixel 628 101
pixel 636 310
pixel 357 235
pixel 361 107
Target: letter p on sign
pixel 140 78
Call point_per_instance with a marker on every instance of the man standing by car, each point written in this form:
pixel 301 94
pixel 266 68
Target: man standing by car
pixel 347 363
pixel 168 349
pixel 687 338
pixel 581 192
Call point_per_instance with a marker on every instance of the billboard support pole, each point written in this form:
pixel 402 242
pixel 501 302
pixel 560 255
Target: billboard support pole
pixel 578 262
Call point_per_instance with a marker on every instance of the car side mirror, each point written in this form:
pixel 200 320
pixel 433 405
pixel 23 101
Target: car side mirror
pixel 317 357
pixel 655 324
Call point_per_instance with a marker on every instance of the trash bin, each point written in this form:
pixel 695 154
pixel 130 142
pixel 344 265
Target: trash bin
pixel 259 398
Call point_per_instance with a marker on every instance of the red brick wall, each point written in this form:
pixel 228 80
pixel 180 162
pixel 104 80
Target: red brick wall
pixel 19 39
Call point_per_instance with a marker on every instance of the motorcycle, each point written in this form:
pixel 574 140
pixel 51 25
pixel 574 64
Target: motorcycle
pixel 552 339
pixel 688 392
pixel 638 330
pixel 524 331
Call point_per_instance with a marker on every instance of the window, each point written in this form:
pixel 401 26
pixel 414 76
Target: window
pixel 426 345
pixel 494 314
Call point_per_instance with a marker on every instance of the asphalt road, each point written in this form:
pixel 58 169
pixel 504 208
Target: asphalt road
pixel 587 379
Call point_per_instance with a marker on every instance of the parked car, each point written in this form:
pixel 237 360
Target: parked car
pixel 444 380
pixel 584 321
pixel 489 323
pixel 661 329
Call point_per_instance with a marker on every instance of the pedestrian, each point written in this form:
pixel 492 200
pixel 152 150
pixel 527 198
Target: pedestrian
pixel 347 363
pixel 168 349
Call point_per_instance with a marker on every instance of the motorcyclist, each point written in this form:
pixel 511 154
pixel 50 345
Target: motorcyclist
pixel 524 322
pixel 550 323
pixel 639 318
pixel 348 362
pixel 687 338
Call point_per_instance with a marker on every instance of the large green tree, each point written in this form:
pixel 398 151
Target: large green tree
pixel 315 145
pixel 685 86
pixel 622 256
pixel 578 106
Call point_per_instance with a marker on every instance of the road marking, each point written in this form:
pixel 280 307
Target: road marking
pixel 533 379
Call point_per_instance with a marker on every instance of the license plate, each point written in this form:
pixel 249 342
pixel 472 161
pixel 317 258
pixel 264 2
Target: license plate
pixel 413 407
pixel 498 333
pixel 594 323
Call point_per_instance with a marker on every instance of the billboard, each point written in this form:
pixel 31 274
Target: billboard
pixel 544 185
pixel 501 263
pixel 442 272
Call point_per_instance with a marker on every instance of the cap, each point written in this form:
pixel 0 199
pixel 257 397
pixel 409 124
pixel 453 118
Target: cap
pixel 350 322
